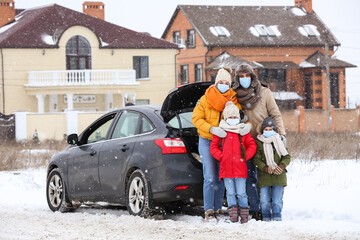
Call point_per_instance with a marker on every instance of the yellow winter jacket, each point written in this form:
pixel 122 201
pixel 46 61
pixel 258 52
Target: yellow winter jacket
pixel 205 117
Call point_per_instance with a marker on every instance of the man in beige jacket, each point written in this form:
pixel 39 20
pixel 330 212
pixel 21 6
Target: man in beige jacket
pixel 258 103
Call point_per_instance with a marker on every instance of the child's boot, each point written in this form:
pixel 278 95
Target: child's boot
pixel 233 213
pixel 244 215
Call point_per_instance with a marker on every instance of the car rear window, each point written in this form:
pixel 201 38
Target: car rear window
pixel 185 119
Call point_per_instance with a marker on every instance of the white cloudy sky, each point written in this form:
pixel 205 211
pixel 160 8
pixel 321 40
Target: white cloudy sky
pixel 342 17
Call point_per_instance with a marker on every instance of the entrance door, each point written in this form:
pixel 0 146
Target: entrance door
pixel 334 89
pixel 308 91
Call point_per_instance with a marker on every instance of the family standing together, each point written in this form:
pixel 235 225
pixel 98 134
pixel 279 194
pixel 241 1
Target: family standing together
pixel 242 146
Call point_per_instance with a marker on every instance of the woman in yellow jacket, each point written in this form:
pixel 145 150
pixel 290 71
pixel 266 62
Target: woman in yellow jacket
pixel 206 117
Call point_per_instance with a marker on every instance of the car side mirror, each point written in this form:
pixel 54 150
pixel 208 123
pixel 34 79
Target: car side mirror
pixel 72 139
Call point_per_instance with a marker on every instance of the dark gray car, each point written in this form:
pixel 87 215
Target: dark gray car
pixel 142 157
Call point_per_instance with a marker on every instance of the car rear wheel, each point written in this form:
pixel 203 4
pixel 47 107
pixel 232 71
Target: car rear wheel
pixel 138 195
pixel 56 193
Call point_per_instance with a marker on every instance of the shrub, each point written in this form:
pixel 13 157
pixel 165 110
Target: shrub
pixel 20 155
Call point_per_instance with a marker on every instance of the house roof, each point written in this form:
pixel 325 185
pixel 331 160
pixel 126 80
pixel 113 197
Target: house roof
pixel 317 59
pixel 42 27
pixel 226 59
pixel 286 23
pixel 278 65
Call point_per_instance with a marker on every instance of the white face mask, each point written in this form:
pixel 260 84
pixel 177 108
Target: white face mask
pixel 233 121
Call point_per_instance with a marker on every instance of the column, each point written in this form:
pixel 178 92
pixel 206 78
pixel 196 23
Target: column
pixel 40 98
pixel 20 126
pixel 70 101
pixel 301 119
pixel 71 122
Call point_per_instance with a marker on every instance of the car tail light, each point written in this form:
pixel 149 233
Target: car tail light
pixel 181 187
pixel 171 145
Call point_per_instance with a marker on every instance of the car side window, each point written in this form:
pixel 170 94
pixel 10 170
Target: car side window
pixel 101 129
pixel 127 125
pixel 146 126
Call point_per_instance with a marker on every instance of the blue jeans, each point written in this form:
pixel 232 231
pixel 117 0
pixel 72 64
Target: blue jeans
pixel 271 201
pixel 251 186
pixel 213 187
pixel 236 187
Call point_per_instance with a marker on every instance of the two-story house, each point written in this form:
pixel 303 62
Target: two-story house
pixel 54 59
pixel 285 44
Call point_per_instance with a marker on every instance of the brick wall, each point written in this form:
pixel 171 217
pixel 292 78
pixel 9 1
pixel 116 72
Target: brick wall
pixel 310 120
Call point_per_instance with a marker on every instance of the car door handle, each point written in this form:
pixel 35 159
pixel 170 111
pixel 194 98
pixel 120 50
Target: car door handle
pixel 124 148
pixel 92 153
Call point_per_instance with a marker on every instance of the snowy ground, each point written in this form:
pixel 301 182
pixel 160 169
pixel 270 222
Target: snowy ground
pixel 320 202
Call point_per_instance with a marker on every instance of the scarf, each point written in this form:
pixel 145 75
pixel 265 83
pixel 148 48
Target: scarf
pixel 268 149
pixel 248 97
pixel 241 128
pixel 216 100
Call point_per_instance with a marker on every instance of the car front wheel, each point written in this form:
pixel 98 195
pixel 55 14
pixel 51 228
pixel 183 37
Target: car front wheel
pixel 138 195
pixel 56 192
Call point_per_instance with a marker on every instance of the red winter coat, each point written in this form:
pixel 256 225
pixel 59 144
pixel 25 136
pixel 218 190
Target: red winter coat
pixel 231 164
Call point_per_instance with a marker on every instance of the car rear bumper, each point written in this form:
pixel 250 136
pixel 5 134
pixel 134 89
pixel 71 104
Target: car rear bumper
pixel 176 170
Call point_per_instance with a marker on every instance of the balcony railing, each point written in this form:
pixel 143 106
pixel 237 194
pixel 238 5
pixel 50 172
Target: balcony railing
pixel 82 77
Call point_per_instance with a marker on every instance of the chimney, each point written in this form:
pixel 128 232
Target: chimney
pixel 7 11
pixel 307 4
pixel 94 9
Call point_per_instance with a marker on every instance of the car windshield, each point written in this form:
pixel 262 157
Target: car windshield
pixel 185 119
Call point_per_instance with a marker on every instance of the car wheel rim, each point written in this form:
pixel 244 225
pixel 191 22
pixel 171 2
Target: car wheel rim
pixel 136 195
pixel 55 190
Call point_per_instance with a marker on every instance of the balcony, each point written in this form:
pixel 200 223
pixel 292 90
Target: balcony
pixel 81 78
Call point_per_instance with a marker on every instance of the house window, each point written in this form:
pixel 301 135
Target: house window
pixel 317 73
pixel 191 38
pixel 310 30
pixel 78 53
pixel 176 37
pixel 334 89
pixel 308 91
pixel 318 91
pixel 141 66
pixel 265 31
pixel 318 99
pixel 220 31
pixel 184 74
pixel 275 78
pixel 198 73
pixel 317 82
pixel 142 101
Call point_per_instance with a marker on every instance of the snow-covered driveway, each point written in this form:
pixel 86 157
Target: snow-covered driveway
pixel 320 202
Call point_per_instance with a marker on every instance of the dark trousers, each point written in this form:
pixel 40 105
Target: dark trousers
pixel 251 186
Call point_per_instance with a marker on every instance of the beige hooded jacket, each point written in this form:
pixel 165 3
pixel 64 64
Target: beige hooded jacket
pixel 265 107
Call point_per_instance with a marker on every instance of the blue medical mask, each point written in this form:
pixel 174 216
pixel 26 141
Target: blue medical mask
pixel 269 133
pixel 233 121
pixel 223 88
pixel 245 82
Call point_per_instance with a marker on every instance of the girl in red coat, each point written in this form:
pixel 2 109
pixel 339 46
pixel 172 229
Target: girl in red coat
pixel 233 151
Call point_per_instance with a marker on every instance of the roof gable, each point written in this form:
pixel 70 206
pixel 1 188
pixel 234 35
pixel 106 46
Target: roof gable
pixel 41 28
pixel 287 25
pixel 318 59
pixel 226 59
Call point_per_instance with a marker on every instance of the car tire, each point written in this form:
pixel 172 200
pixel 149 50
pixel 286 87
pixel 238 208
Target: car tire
pixel 56 195
pixel 137 195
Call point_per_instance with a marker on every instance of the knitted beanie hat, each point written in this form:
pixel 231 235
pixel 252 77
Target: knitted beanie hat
pixel 231 110
pixel 268 122
pixel 224 74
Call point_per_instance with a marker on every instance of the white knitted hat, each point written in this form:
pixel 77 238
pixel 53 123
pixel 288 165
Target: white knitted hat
pixel 231 110
pixel 224 74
